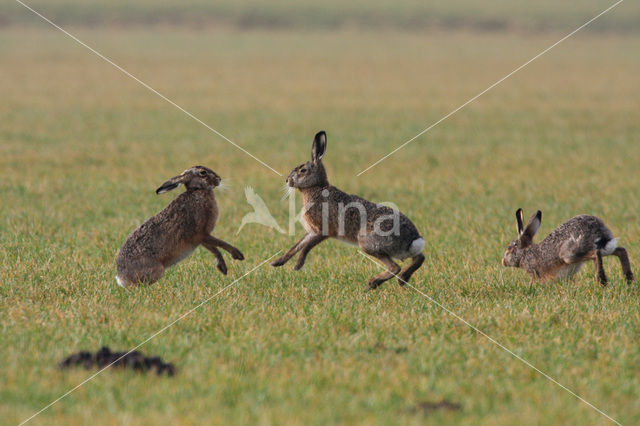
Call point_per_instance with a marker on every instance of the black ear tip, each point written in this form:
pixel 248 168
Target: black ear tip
pixel 167 186
pixel 321 134
pixel 539 214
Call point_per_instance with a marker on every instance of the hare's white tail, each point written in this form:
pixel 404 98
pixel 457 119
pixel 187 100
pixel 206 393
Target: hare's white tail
pixel 610 247
pixel 416 247
pixel 121 282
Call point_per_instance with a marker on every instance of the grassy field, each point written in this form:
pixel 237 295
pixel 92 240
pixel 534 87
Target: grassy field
pixel 82 148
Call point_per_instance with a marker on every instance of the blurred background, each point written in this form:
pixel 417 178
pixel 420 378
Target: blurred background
pixel 405 15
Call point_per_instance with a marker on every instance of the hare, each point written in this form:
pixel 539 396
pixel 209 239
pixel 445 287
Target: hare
pixel 378 230
pixel 170 236
pixel 566 248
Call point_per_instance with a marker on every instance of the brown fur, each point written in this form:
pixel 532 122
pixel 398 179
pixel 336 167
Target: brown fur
pixel 322 199
pixel 170 236
pixel 562 253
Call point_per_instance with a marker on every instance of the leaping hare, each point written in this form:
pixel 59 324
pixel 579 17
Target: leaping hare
pixel 170 236
pixel 328 212
pixel 566 248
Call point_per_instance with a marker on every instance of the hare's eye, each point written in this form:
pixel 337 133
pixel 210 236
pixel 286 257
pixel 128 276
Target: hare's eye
pixel 203 173
pixel 303 170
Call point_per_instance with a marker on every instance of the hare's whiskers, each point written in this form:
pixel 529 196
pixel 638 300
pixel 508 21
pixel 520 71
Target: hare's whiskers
pixel 288 190
pixel 225 185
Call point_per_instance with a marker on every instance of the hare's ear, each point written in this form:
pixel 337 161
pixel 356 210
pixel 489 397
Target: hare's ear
pixel 319 146
pixel 532 228
pixel 172 183
pixel 519 221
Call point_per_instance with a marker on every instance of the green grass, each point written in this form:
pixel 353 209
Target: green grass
pixel 82 148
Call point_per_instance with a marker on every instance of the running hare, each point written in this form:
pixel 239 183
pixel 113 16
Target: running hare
pixel 566 249
pixel 170 236
pixel 328 212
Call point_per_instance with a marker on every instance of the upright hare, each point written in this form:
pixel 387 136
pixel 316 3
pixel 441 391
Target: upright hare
pixel 170 236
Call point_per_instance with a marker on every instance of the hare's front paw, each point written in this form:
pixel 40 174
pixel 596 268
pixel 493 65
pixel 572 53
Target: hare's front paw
pixel 374 283
pixel 299 264
pixel 279 261
pixel 237 254
pixel 222 267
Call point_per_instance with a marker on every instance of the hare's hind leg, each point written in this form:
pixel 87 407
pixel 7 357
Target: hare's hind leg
pixel 602 277
pixel 621 253
pixel 406 273
pixel 575 251
pixel 393 269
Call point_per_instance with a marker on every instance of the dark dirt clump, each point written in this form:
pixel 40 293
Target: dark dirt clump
pixel 105 357
pixel 429 407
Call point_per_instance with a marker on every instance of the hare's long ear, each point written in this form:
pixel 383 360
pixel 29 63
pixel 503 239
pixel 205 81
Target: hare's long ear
pixel 319 146
pixel 532 228
pixel 172 183
pixel 519 221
